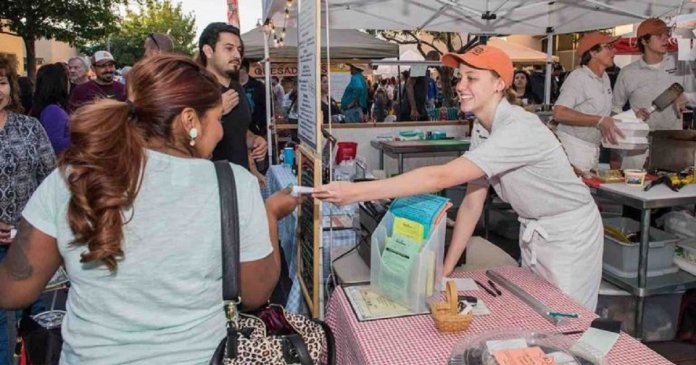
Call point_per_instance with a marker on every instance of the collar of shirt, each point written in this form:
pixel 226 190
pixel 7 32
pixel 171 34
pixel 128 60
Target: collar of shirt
pixel 502 112
pixel 592 74
pixel 656 66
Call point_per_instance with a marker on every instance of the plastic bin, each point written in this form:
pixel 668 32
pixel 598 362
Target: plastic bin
pixel 685 259
pixel 413 289
pixel 622 259
pixel 661 317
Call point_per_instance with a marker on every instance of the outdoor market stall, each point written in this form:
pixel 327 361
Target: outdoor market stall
pixel 508 17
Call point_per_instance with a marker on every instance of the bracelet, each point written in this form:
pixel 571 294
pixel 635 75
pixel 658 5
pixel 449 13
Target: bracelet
pixel 599 122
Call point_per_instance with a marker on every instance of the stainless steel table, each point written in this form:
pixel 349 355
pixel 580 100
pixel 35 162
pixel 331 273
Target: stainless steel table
pixel 658 197
pixel 400 148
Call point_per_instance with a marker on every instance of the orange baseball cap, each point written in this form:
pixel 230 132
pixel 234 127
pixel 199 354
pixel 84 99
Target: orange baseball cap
pixel 653 26
pixel 485 58
pixel 592 39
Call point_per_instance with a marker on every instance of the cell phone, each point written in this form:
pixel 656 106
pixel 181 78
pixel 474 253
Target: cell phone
pixel 13 233
pixel 298 190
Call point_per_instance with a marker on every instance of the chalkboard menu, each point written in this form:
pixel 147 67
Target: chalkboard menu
pixel 309 257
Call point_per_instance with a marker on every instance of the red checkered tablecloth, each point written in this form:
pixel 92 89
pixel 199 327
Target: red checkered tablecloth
pixel 414 340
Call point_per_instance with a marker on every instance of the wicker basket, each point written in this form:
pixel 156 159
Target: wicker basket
pixel 446 314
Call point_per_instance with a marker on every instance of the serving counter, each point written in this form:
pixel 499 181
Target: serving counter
pixel 414 339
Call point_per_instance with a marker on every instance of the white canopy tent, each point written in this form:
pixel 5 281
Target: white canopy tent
pixel 345 44
pixel 486 16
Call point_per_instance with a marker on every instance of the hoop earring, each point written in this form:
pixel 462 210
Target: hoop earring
pixel 193 134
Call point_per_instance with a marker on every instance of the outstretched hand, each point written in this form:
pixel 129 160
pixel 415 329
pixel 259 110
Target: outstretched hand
pixel 337 192
pixel 282 203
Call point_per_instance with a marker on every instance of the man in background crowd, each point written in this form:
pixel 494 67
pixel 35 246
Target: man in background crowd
pixel 103 86
pixel 220 49
pixel 354 100
pixel 278 94
pixel 78 69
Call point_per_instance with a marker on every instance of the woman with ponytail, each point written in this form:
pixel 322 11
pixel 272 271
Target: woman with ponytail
pixel 133 213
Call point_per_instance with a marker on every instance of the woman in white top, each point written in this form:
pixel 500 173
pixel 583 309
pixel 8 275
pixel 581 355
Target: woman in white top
pixel 584 105
pixel 133 213
pixel 512 150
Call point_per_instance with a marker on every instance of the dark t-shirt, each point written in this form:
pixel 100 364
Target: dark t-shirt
pixel 255 91
pixel 233 147
pixel 91 90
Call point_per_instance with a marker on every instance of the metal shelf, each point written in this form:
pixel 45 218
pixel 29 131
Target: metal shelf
pixel 663 284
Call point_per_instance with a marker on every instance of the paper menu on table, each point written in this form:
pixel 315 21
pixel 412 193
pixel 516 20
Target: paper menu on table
pixel 369 305
pixel 599 340
pixel 496 345
pixel 481 309
pixel 523 356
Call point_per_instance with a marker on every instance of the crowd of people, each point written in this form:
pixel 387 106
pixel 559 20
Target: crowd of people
pixel 113 181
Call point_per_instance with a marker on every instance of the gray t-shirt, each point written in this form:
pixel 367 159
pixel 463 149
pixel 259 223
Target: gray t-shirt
pixel 525 164
pixel 585 92
pixel 640 83
pixel 163 305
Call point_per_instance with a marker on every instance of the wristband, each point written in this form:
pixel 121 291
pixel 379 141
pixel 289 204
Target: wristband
pixel 599 122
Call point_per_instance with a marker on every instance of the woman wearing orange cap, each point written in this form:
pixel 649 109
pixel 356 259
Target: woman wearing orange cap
pixel 511 150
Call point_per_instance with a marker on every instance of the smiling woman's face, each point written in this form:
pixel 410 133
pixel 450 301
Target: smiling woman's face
pixel 475 89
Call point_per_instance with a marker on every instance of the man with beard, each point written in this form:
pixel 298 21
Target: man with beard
pixel 78 68
pixel 220 50
pixel 103 86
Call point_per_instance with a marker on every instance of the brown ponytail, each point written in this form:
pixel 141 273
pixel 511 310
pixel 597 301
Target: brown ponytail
pixel 104 166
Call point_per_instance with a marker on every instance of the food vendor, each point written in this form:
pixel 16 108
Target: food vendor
pixel 561 235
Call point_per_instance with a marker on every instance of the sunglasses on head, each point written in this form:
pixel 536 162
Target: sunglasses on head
pixel 152 37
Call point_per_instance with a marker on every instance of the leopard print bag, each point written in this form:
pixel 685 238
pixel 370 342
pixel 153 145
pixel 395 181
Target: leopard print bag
pixel 270 336
pixel 278 339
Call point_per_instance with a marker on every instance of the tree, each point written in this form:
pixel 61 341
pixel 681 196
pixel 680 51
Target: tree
pixel 441 42
pixel 72 21
pixel 152 16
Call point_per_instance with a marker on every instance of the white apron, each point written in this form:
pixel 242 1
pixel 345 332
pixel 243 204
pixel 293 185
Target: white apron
pixel 566 250
pixel 581 154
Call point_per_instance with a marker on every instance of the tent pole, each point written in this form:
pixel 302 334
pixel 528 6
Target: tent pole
pixel 398 85
pixel 270 122
pixel 549 64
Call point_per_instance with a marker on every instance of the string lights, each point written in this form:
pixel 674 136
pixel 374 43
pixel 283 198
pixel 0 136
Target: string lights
pixel 269 27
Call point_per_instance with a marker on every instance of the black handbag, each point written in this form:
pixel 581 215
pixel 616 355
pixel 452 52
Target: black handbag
pixel 270 335
pixel 40 345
